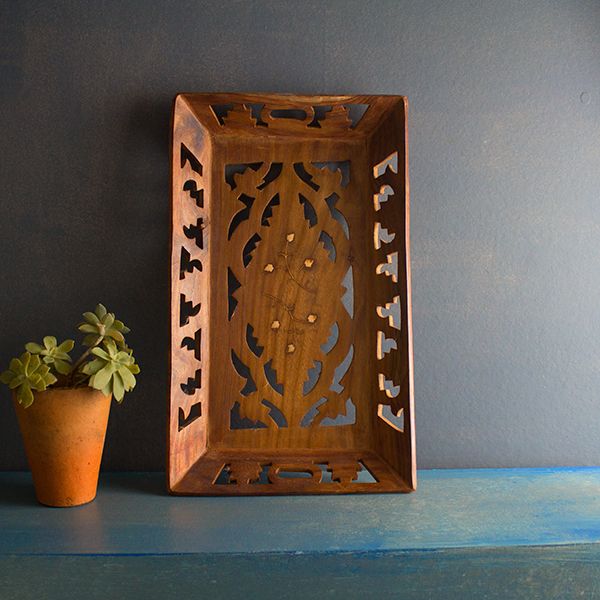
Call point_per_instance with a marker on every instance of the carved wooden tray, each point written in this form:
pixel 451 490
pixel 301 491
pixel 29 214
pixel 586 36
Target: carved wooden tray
pixel 291 343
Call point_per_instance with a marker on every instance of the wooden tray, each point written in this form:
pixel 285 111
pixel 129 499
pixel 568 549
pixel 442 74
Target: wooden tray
pixel 291 342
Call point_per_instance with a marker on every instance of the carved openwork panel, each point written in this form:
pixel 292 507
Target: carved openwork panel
pixel 291 350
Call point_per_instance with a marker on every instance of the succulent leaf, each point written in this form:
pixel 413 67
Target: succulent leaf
pixel 120 326
pixel 101 353
pixel 49 342
pixel 91 340
pixel 88 328
pixel 33 348
pixel 118 387
pixel 66 346
pixel 126 374
pixel 91 317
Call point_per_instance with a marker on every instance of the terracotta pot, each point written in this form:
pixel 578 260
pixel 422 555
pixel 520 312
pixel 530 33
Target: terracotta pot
pixel 63 432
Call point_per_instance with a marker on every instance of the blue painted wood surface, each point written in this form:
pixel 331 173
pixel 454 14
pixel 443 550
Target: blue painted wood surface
pixel 523 534
pixel 451 509
pixel 515 573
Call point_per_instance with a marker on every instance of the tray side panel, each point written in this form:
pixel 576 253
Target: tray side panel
pixel 284 115
pixel 190 273
pixel 278 472
pixel 394 434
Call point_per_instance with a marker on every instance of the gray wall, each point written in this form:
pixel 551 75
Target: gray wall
pixel 505 181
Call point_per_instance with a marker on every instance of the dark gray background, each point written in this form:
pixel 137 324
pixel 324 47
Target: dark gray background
pixel 505 182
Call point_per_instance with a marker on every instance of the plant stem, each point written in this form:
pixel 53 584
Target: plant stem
pixel 82 358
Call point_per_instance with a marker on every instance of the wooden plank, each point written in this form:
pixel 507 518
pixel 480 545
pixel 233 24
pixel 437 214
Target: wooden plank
pixel 533 573
pixel 452 509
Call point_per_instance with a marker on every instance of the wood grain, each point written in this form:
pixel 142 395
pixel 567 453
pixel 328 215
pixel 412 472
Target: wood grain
pixel 291 349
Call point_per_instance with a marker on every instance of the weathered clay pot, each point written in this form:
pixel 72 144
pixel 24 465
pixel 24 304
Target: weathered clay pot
pixel 63 432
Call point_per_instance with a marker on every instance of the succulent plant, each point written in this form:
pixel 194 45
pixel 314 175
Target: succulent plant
pixel 53 354
pixel 107 363
pixel 112 370
pixel 102 324
pixel 25 374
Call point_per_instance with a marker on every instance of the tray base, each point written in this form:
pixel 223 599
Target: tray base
pixel 245 472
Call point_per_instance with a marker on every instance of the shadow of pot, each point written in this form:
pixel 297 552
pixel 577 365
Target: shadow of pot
pixel 63 433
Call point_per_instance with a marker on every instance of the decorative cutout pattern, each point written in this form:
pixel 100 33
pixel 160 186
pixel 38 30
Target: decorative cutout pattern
pixel 271 376
pixel 382 236
pixel 391 310
pixel 385 191
pixel 249 249
pixel 244 372
pixel 239 422
pixel 395 421
pixel 328 244
pixel 391 162
pixel 241 215
pixel 252 342
pixel 275 414
pixel 192 384
pixel 309 211
pixel 385 345
pixel 194 232
pixel 302 173
pixel 220 111
pixel 364 475
pixel 331 201
pixel 272 174
pixel 324 116
pixel 313 411
pixel 387 386
pixel 232 286
pixel 348 297
pixel 342 419
pixel 389 268
pixel 189 412
pixel 314 472
pixel 232 170
pixel 313 377
pixel 194 344
pixel 289 113
pixel 342 166
pixel 187 309
pixel 334 335
pixel 191 187
pixel 268 212
pixel 187 157
pixel 356 112
pixel 341 370
pixel 186 265
pixel 195 413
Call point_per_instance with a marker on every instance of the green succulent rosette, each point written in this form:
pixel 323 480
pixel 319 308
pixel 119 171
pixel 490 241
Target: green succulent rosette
pixel 112 370
pixel 101 324
pixel 53 354
pixel 107 364
pixel 26 374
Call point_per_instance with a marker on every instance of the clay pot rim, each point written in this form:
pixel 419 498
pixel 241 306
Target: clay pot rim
pixel 67 387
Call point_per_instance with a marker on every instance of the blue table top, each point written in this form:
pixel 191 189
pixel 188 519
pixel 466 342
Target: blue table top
pixel 451 509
